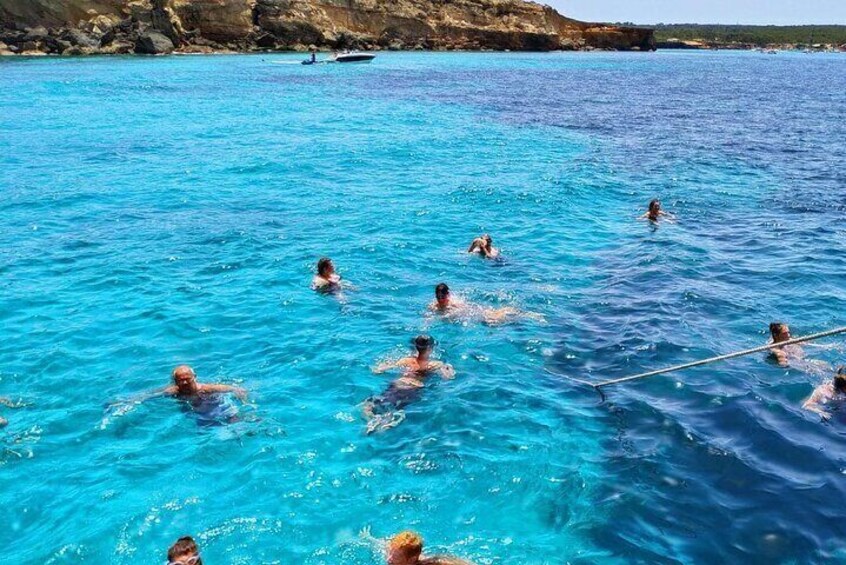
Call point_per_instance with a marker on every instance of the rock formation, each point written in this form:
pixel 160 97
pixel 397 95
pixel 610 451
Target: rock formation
pixel 78 27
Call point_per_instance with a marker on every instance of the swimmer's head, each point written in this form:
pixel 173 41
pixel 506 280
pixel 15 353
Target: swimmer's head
pixel 405 548
pixel 424 344
pixel 654 206
pixel 184 552
pixel 442 294
pixel 184 378
pixel 325 268
pixel 840 379
pixel 779 332
pixel 488 240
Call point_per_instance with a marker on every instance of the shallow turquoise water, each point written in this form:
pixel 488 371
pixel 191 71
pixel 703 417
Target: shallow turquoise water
pixel 170 210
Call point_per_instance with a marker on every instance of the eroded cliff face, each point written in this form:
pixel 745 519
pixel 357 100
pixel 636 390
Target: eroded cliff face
pixel 160 26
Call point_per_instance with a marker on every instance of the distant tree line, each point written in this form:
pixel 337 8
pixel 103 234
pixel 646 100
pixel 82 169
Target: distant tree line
pixel 756 35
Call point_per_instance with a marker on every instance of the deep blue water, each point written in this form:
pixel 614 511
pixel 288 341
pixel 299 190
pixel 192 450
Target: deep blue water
pixel 170 210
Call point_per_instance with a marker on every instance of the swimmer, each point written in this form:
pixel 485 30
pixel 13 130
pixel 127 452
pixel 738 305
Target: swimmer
pixel 7 402
pixel 833 393
pixel 184 552
pixel 779 333
pixel 483 245
pixel 186 387
pixel 654 213
pixel 445 303
pixel 406 548
pixel 386 410
pixel 205 400
pixel 326 278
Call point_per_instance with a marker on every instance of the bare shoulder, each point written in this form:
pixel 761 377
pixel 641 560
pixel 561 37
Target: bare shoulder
pixel 170 390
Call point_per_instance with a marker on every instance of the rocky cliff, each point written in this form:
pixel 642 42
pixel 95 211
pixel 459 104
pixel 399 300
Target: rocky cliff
pixel 76 27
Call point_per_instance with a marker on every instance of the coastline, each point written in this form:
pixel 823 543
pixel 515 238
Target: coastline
pixel 700 45
pixel 152 27
pixel 23 48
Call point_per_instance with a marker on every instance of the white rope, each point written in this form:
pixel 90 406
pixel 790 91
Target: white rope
pixel 721 357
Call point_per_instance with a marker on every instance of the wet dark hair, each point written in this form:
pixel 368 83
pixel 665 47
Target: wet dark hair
pixel 840 379
pixel 655 203
pixel 322 265
pixel 424 342
pixel 183 545
pixel 441 291
pixel 487 238
pixel 775 329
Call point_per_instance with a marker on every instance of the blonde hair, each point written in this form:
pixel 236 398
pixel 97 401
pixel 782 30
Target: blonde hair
pixel 408 543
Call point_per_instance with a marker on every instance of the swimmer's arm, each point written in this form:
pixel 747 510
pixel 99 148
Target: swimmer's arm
pixel 375 543
pixel 236 390
pixel 813 404
pixel 145 396
pixel 474 246
pixel 367 410
pixel 388 365
pixel 382 367
pixel 781 357
pixel 443 560
pixel 496 315
pixel 447 371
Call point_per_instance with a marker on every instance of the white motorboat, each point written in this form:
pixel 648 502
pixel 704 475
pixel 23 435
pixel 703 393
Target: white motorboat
pixel 354 57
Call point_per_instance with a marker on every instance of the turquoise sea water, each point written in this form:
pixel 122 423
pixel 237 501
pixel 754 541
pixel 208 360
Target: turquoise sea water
pixel 158 211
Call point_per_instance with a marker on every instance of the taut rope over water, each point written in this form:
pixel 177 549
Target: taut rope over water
pixel 717 358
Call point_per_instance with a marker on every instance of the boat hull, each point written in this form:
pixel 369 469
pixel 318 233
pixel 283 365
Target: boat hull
pixel 355 58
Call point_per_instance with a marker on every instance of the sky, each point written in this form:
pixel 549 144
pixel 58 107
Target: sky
pixel 761 12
